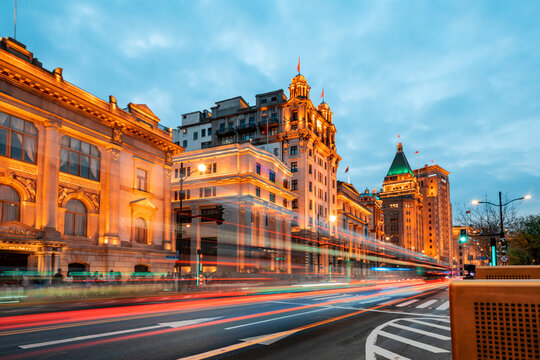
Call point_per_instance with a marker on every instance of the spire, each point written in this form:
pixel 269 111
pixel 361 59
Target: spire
pixel 400 165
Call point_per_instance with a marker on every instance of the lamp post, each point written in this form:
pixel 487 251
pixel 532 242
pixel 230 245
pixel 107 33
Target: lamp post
pixel 184 176
pixel 501 234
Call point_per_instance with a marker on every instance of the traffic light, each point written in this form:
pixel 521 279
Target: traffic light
pixel 219 215
pixel 504 246
pixel 463 236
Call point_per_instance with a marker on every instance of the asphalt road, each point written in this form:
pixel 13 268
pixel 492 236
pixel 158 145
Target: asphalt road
pixel 397 320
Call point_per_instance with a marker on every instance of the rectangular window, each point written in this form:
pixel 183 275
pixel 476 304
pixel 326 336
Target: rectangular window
pixel 258 168
pixel 209 132
pixel 242 123
pixel 214 168
pixel 273 197
pixel 272 176
pixel 294 184
pixel 310 204
pixel 176 173
pixel 207 192
pixel 294 166
pixel 276 151
pixel 310 169
pixel 258 191
pixel 184 143
pixel 195 135
pixel 285 203
pixel 222 127
pixel 294 127
pixel 203 132
pixel 294 150
pixel 274 117
pixel 142 177
pixel 310 186
pixel 231 126
pixel 251 122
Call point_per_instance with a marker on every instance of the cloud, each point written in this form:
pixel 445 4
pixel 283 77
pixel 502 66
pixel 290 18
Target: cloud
pixel 138 46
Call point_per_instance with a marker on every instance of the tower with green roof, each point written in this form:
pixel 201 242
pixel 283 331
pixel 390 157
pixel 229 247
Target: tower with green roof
pixel 402 204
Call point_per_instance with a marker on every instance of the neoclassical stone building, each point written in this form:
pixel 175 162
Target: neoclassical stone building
pixel 84 185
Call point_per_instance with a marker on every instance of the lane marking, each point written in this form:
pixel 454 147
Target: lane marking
pixel 387 354
pixel 444 306
pixel 286 333
pixel 389 301
pixel 78 338
pixel 407 303
pixel 430 324
pixel 278 318
pixel 174 324
pixel 426 333
pixel 412 342
pixel 426 304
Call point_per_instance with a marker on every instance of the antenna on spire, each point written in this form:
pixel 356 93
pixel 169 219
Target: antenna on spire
pixel 322 95
pixel 298 67
pixel 15 25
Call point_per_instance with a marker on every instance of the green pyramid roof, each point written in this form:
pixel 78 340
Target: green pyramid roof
pixel 400 165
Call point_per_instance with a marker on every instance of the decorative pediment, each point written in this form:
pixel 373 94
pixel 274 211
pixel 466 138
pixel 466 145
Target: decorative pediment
pixel 16 229
pixel 143 204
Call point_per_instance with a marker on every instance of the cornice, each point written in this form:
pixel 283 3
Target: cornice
pixel 53 88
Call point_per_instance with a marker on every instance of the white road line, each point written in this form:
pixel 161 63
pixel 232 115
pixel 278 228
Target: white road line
pixel 412 342
pixel 407 303
pixel 278 318
pixel 427 333
pixel 426 304
pixel 388 302
pixel 444 306
pixel 330 297
pixel 429 324
pixel 78 338
pixel 387 354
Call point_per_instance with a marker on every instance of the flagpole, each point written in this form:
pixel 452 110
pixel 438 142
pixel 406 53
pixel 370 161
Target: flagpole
pixel 15 25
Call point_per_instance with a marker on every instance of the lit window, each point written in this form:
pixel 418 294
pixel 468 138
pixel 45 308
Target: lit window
pixel 142 180
pixel 79 158
pixel 75 218
pixel 10 203
pixel 140 231
pixel 18 138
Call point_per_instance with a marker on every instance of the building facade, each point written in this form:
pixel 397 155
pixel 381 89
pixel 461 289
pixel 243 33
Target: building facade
pixel 303 137
pixel 84 185
pixel 374 204
pixel 236 213
pixel 437 212
pixel 402 204
pixel 353 230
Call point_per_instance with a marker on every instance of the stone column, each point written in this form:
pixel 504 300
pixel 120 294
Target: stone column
pixel 50 176
pixel 110 209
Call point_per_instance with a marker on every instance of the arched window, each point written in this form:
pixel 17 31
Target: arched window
pixel 18 138
pixel 140 230
pixel 141 268
pixel 75 220
pixel 10 203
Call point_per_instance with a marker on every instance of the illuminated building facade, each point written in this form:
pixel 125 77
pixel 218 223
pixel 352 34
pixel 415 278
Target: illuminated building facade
pixel 374 204
pixel 299 134
pixel 437 211
pixel 353 229
pixel 237 213
pixel 84 185
pixel 402 204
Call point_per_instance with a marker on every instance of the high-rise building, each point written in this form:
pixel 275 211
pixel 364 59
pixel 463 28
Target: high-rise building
pixel 402 204
pixel 296 132
pixel 437 212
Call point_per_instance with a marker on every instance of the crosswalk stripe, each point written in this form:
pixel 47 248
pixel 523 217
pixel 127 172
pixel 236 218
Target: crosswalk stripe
pixel 426 304
pixel 418 331
pixel 412 342
pixel 407 303
pixel 429 324
pixel 444 306
pixel 331 297
pixel 387 354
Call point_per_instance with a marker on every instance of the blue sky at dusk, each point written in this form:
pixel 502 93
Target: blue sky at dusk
pixel 458 80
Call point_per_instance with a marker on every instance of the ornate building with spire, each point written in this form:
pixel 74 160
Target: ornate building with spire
pixel 402 204
pixel 300 135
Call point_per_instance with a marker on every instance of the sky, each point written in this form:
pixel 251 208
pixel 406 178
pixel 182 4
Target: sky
pixel 458 81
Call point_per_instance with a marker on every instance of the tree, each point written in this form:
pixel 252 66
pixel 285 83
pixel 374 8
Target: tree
pixel 484 221
pixel 524 246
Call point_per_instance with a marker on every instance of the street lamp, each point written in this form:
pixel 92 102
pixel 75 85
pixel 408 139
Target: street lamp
pixel 501 234
pixel 184 176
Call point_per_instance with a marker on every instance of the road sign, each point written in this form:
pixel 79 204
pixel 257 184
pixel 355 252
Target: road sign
pixel 504 259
